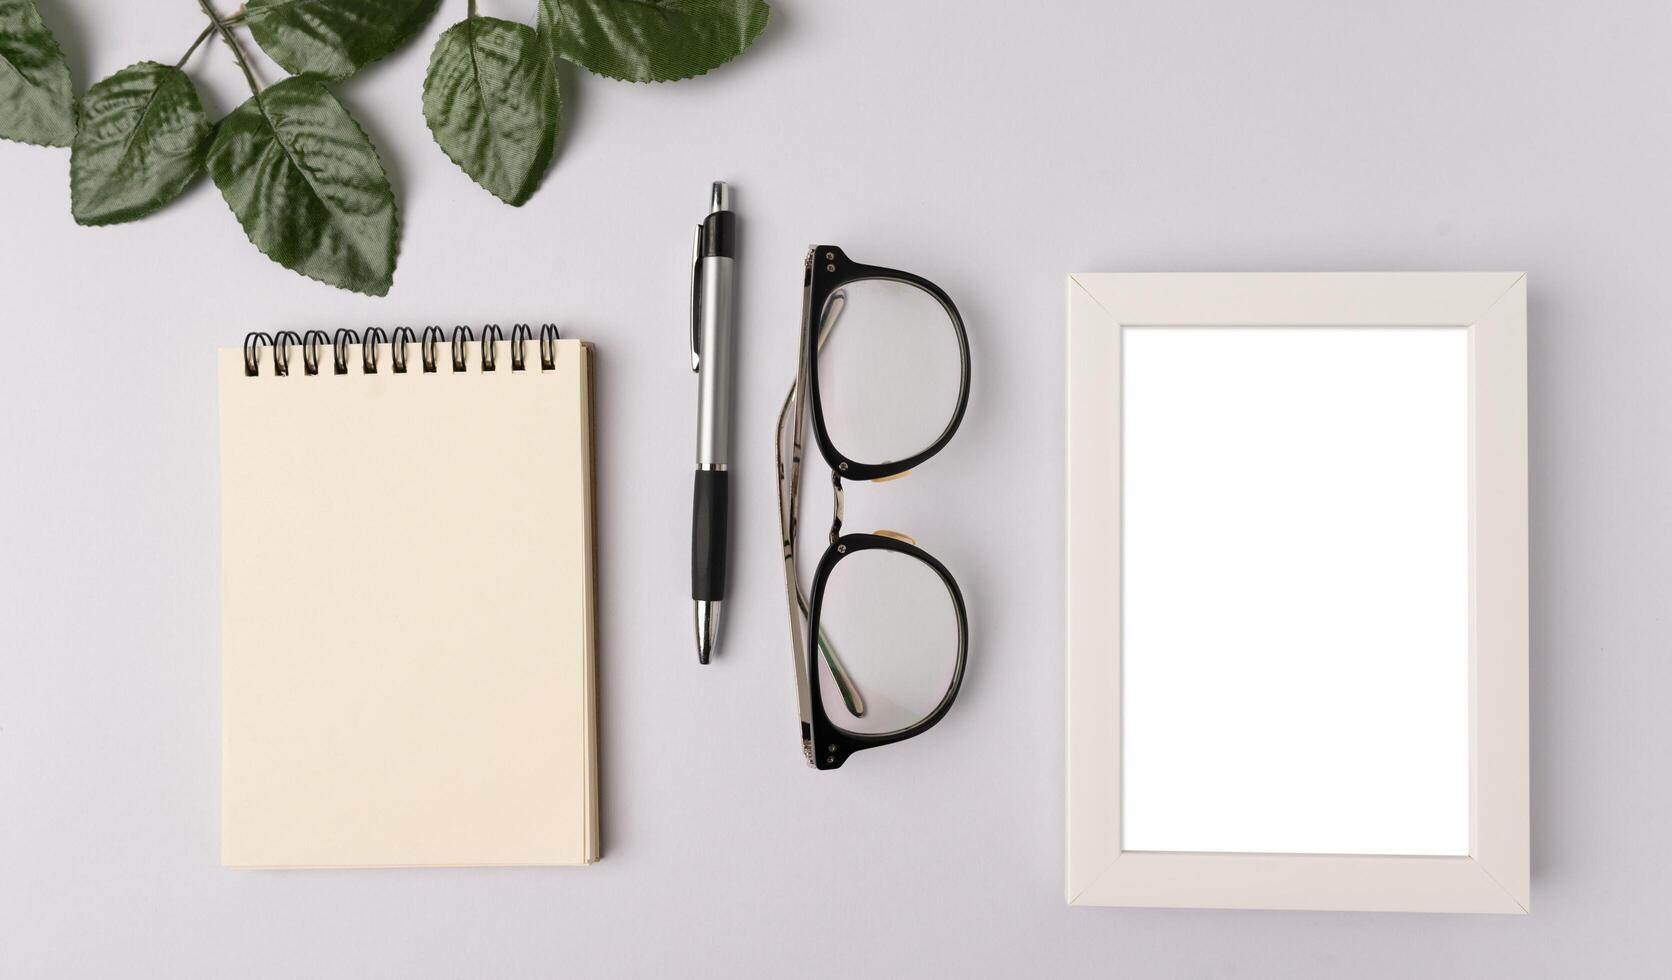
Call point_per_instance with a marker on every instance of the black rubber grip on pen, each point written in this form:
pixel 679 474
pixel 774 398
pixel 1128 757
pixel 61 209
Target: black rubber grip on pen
pixel 708 535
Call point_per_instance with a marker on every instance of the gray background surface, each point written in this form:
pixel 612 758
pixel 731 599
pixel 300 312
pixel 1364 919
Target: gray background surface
pixel 994 148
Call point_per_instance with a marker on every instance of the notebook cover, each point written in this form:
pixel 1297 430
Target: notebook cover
pixel 407 614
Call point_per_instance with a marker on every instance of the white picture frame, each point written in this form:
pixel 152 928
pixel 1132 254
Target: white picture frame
pixel 1494 876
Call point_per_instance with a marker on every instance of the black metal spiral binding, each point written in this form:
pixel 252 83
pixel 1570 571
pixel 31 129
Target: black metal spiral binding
pixel 397 349
pixel 548 346
pixel 432 337
pixel 520 336
pixel 340 343
pixel 252 352
pixel 375 339
pixel 461 336
pixel 311 342
pixel 284 341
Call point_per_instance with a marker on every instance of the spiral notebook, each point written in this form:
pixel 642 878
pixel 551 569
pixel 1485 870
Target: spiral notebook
pixel 408 614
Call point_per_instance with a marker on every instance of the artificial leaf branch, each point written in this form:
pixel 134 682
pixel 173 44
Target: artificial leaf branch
pixel 36 105
pixel 491 100
pixel 293 165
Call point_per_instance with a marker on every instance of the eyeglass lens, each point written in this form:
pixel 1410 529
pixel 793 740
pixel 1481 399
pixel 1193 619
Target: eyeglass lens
pixel 888 618
pixel 889 370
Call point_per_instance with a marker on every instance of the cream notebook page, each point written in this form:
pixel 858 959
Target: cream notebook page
pixel 407 661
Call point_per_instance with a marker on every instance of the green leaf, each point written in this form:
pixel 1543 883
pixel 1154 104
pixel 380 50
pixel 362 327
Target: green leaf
pixel 142 140
pixel 308 187
pixel 335 38
pixel 652 40
pixel 36 104
pixel 493 106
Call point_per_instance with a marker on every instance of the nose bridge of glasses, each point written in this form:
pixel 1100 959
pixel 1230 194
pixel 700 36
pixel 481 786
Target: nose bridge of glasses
pixel 836 507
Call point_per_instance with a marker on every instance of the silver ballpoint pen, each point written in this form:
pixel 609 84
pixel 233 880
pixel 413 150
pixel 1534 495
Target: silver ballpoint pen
pixel 713 316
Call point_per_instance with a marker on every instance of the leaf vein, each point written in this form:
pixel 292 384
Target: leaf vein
pixel 127 144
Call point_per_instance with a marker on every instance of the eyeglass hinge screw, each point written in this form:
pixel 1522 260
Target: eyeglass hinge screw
pixel 841 549
pixel 842 466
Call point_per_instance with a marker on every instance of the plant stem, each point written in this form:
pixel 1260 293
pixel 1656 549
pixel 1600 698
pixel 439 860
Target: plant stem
pixel 471 11
pixel 195 45
pixel 231 42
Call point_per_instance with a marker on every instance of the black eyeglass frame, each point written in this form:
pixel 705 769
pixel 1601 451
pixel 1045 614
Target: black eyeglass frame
pixel 826 744
pixel 831 269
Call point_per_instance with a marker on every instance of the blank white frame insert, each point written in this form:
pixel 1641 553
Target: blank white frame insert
pixel 1307 686
pixel 1296 549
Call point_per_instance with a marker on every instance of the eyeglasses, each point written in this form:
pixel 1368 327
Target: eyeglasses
pixel 884 374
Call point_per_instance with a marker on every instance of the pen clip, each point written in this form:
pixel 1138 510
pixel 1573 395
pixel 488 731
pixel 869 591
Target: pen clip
pixel 696 296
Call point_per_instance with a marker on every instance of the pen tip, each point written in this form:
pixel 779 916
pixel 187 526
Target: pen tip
pixel 719 197
pixel 708 628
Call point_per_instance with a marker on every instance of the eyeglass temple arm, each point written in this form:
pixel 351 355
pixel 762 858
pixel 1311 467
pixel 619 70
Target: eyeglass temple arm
pixel 851 695
pixel 833 311
pixel 844 681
